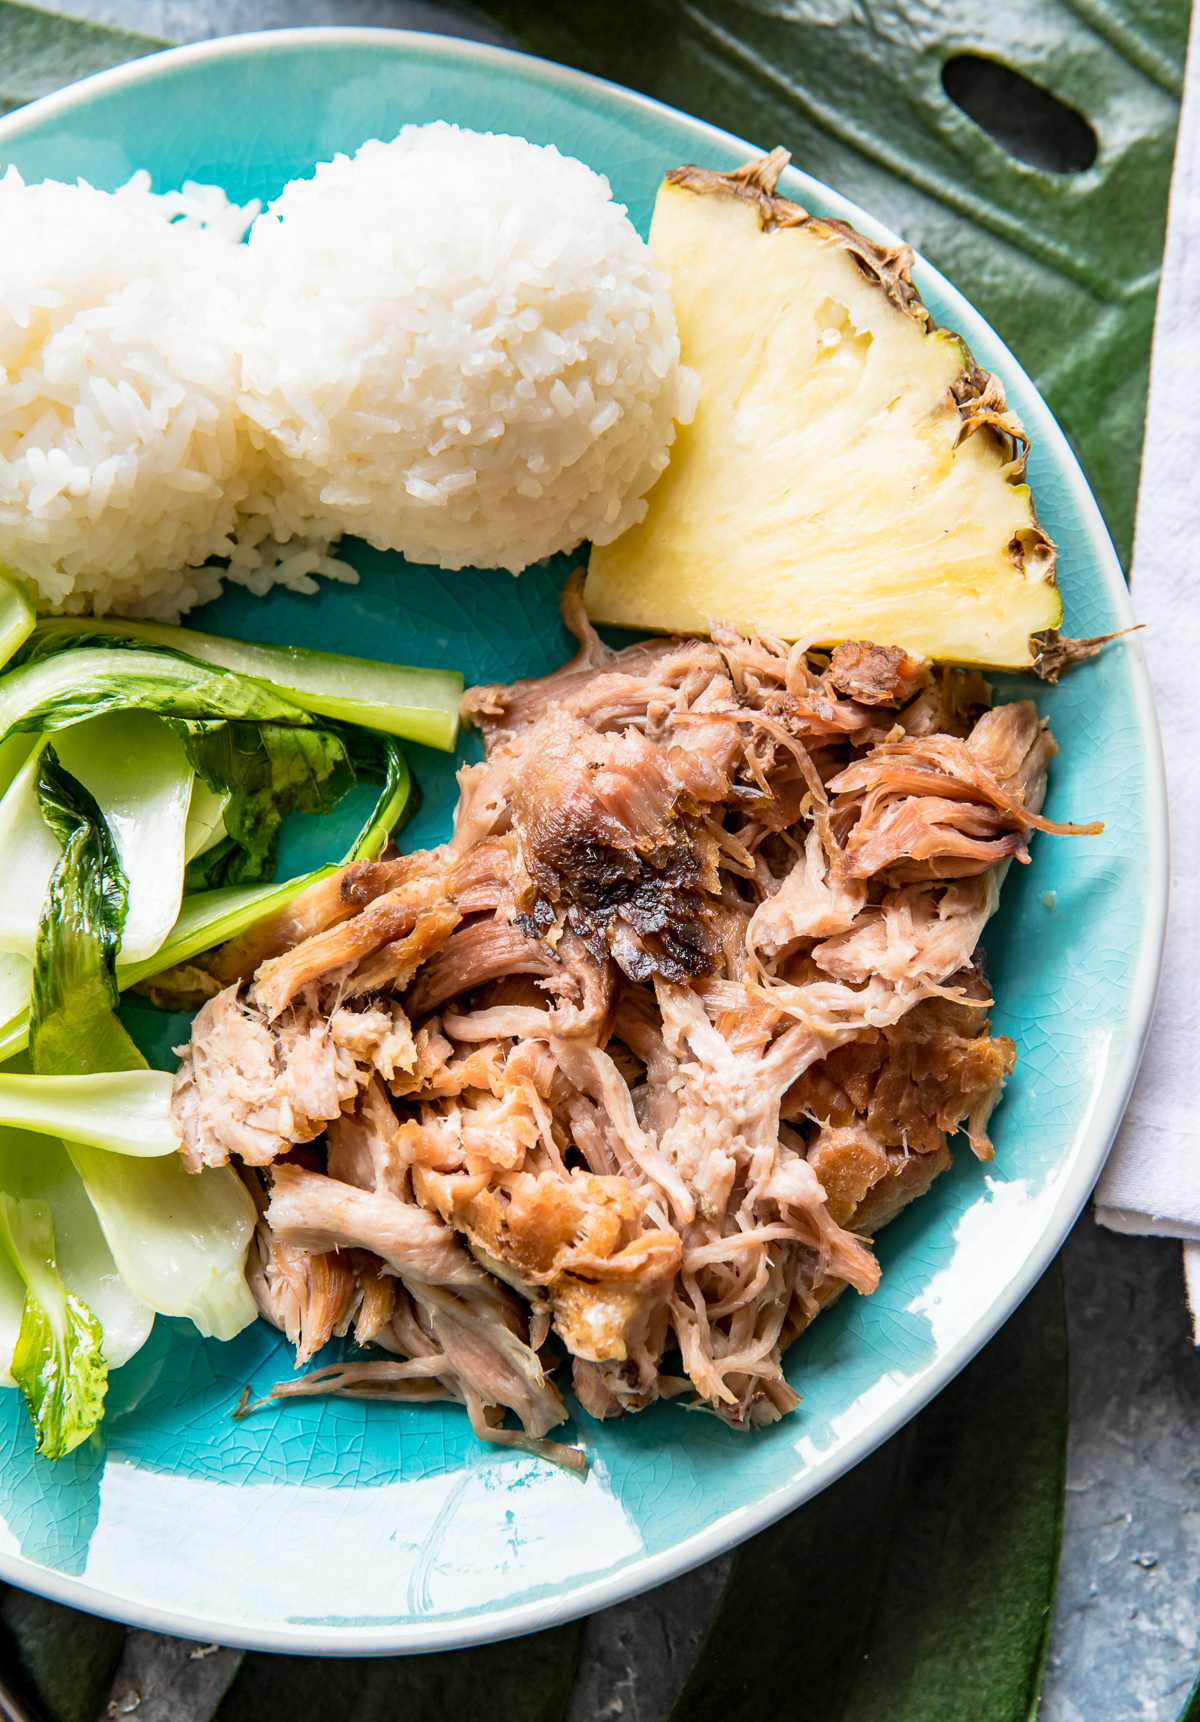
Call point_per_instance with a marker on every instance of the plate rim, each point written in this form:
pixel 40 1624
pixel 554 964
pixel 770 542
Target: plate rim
pixel 645 1573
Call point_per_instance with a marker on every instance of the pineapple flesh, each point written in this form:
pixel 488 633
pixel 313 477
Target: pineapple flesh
pixel 850 472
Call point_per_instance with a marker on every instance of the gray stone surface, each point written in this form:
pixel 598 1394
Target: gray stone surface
pixel 1126 1640
pixel 636 1656
pixel 163 1679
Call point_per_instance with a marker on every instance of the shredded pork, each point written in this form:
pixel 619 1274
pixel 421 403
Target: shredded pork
pixel 635 1065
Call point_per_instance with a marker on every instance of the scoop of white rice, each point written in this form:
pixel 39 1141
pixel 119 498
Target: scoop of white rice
pixel 460 348
pixel 124 463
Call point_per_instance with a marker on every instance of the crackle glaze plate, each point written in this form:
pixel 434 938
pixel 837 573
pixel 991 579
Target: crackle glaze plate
pixel 334 1526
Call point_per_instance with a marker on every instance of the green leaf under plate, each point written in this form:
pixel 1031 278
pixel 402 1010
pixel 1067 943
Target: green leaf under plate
pixel 40 52
pixel 66 1658
pixel 1064 265
pixel 268 770
pixel 922 1583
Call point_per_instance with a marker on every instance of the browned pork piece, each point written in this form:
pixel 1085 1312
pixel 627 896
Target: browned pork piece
pixel 636 1063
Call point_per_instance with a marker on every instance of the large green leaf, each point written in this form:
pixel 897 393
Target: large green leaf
pixel 922 1584
pixel 40 52
pixel 1065 266
pixel 65 1658
pixel 528 1680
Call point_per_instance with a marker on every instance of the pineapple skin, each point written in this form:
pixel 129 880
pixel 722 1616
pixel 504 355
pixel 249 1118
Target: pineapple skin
pixel 850 473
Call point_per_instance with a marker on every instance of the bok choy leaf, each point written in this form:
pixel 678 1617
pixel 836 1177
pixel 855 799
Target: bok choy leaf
pixel 138 773
pixel 419 704
pixel 265 770
pixel 73 1026
pixel 264 760
pixel 209 918
pixel 59 691
pixel 140 770
pixel 58 1360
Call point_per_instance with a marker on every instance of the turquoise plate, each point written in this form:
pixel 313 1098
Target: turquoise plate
pixel 349 1528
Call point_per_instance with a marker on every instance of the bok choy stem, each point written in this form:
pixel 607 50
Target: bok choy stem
pixel 17 614
pixel 123 1111
pixel 208 918
pixel 418 704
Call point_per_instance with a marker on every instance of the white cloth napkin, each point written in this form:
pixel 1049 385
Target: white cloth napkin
pixel 1151 1184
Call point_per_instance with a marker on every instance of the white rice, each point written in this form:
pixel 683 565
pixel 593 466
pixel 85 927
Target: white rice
pixel 124 462
pixel 455 345
pixel 460 348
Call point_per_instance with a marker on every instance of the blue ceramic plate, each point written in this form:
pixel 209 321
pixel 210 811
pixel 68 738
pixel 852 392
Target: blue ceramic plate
pixel 342 1527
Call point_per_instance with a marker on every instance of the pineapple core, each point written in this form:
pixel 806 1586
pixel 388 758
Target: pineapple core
pixel 850 473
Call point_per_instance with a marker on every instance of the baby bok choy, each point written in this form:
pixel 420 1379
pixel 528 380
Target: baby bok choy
pixel 138 772
pixel 177 1242
pixel 180 1240
pixel 259 772
pixel 209 917
pixel 150 724
pixel 141 794
pixel 37 1168
pixel 17 614
pixel 416 704
pixel 193 769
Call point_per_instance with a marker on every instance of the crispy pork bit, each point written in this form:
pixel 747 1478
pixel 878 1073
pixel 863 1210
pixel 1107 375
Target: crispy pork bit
pixel 638 1061
pixel 876 675
pixel 608 831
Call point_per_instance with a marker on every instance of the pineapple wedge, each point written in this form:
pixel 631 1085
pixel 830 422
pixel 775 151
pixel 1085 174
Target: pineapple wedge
pixel 850 471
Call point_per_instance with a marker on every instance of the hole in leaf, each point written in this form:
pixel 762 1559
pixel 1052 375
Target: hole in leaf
pixel 1021 116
